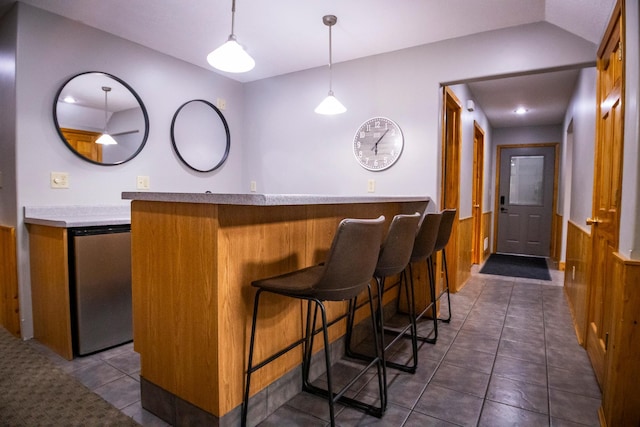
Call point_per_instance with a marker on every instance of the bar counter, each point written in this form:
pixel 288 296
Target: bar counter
pixel 194 256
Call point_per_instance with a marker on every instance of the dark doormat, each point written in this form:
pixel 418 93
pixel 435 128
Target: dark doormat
pixel 517 266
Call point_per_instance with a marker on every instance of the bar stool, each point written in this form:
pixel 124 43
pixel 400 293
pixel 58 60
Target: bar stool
pixel 423 248
pixel 346 272
pixel 444 233
pixel 393 259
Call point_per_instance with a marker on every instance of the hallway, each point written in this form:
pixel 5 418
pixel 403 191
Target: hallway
pixel 509 356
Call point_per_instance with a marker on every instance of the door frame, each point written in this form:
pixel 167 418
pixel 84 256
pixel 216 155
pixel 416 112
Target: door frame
pixel 496 192
pixel 450 178
pixel 477 247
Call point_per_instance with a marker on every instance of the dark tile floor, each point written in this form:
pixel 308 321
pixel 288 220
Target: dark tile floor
pixel 509 357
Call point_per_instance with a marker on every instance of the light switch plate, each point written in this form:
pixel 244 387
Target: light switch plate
pixel 371 186
pixel 221 104
pixel 142 182
pixel 59 180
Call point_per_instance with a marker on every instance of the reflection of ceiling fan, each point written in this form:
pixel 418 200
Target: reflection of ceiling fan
pixel 125 133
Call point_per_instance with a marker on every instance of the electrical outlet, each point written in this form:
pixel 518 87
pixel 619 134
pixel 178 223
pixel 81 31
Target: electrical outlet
pixel 371 186
pixel 253 186
pixel 59 180
pixel 142 182
pixel 221 104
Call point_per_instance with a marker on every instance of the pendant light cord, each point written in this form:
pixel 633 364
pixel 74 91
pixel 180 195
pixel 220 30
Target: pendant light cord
pixel 233 17
pixel 106 90
pixel 330 63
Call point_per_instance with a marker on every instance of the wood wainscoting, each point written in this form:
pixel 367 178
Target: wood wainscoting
pixel 486 232
pixel 621 389
pixel 9 302
pixel 465 231
pixel 556 238
pixel 576 277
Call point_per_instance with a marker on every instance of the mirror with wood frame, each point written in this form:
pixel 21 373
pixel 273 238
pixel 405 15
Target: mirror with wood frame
pixel 94 104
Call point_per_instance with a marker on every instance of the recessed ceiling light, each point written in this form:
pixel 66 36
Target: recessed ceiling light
pixel 520 110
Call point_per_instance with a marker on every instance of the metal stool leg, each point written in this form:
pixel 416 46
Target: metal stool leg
pixel 339 396
pixel 245 403
pixel 431 305
pixel 411 327
pixel 446 280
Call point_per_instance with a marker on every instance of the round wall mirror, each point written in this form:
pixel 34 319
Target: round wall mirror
pixel 100 118
pixel 200 135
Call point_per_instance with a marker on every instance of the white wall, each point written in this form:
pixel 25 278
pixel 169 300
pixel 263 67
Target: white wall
pixel 582 111
pixel 51 49
pixel 294 150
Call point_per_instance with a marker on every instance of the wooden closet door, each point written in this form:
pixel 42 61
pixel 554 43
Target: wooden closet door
pixel 605 221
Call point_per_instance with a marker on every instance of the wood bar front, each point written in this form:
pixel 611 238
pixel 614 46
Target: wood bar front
pixel 193 261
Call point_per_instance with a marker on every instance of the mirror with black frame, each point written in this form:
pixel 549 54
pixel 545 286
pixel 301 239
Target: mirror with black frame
pixel 200 135
pixel 100 118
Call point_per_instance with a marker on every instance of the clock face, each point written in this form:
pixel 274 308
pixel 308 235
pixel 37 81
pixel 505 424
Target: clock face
pixel 378 143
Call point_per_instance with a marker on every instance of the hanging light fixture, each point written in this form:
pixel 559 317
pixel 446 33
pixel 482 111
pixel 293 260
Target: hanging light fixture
pixel 231 57
pixel 330 105
pixel 105 138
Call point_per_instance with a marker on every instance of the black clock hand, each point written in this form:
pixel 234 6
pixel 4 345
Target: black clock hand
pixel 375 146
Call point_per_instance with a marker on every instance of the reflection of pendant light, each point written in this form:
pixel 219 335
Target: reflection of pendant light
pixel 231 57
pixel 330 105
pixel 105 138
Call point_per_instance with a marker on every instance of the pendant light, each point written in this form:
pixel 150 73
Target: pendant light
pixel 105 138
pixel 330 105
pixel 231 57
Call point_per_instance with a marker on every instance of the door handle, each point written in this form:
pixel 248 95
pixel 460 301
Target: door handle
pixel 593 221
pixel 476 206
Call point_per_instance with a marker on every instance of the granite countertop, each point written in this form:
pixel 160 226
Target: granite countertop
pixel 253 199
pixel 78 216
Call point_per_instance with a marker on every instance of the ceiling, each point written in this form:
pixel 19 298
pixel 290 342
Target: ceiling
pixel 285 36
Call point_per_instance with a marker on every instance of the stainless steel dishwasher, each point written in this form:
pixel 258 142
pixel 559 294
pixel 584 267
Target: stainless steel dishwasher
pixel 100 270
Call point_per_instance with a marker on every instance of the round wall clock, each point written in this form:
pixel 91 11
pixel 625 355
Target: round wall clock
pixel 378 143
